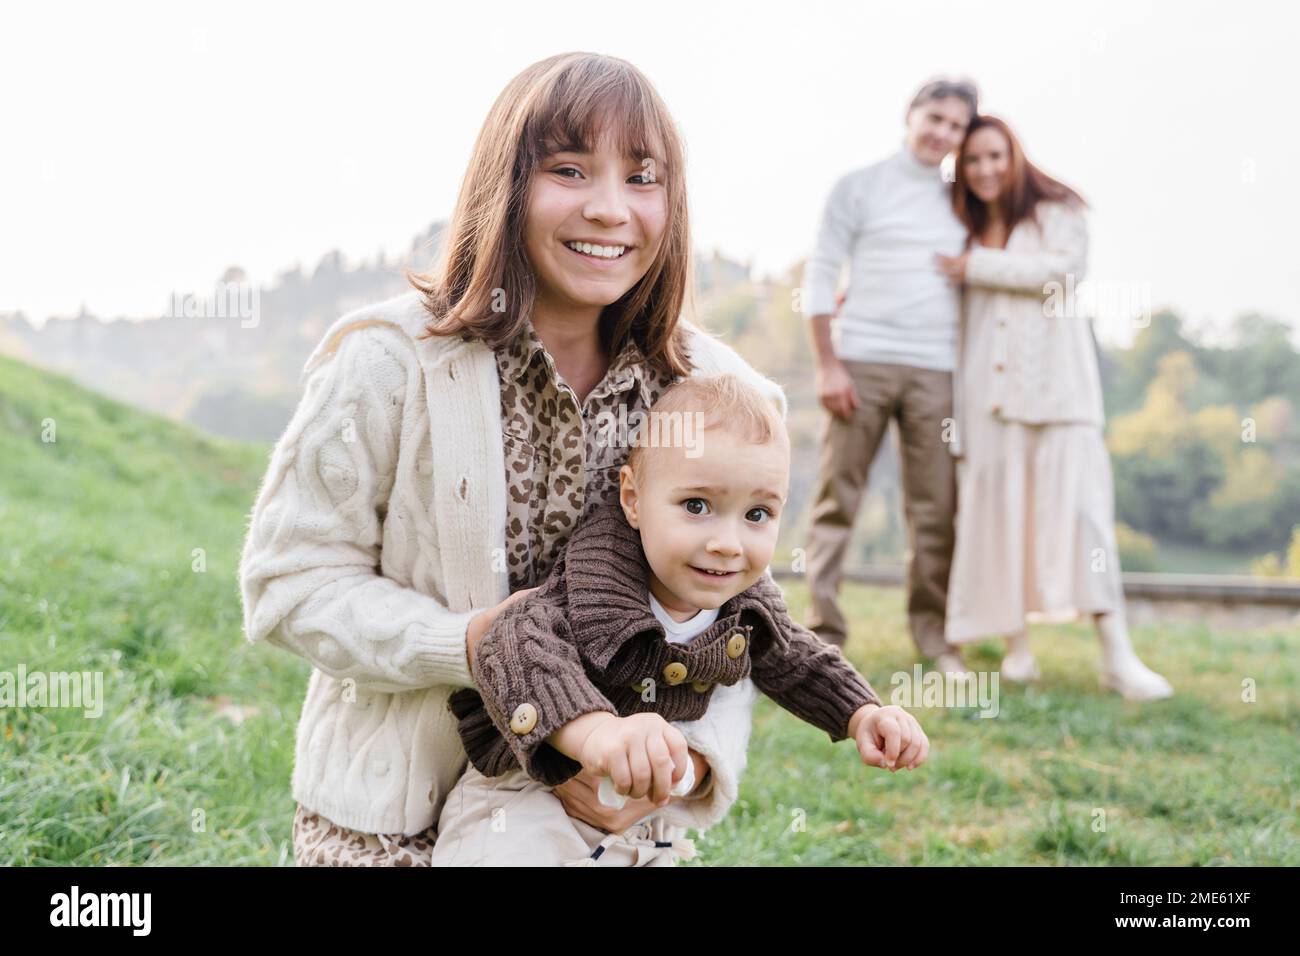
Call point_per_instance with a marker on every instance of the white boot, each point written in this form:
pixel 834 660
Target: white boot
pixel 954 669
pixel 1019 665
pixel 1121 670
pixel 951 662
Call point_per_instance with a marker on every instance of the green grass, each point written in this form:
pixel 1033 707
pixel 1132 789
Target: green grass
pixel 97 533
pixel 1201 779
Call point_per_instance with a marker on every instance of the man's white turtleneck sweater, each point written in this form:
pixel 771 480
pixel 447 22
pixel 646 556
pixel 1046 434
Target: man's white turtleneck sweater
pixel 889 219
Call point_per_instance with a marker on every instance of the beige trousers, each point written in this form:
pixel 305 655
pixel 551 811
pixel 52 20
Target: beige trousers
pixel 513 820
pixel 920 400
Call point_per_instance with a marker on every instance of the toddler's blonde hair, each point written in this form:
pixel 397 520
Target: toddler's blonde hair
pixel 726 401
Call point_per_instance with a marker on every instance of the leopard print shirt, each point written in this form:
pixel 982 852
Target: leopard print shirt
pixel 561 460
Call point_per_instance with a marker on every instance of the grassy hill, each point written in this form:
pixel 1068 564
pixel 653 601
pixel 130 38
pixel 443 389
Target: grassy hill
pixel 190 761
pixel 98 531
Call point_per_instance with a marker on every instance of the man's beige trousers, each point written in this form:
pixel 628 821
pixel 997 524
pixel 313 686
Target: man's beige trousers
pixel 921 401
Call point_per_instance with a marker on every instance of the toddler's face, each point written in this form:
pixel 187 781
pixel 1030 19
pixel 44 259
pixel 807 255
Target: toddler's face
pixel 718 511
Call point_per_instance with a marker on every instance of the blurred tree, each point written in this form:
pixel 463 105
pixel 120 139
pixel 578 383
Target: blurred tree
pixel 1132 370
pixel 1243 510
pixel 1137 551
pixel 1261 363
pixel 1270 566
pixel 1165 457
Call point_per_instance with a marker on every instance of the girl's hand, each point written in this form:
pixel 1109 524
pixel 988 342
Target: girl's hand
pixel 889 738
pixel 481 623
pixel 953 268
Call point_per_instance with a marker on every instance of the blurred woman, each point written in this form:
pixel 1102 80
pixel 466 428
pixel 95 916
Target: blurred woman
pixel 1035 503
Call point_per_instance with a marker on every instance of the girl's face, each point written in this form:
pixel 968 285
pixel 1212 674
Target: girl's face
pixel 987 163
pixel 594 224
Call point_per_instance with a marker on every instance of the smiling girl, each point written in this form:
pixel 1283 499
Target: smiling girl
pixel 442 455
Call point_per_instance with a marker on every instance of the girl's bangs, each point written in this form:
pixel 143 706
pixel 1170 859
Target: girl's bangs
pixel 569 121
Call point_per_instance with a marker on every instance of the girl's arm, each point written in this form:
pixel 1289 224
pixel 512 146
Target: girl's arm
pixel 1063 253
pixel 309 575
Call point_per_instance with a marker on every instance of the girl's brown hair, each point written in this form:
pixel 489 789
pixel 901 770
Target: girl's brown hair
pixel 483 285
pixel 1028 185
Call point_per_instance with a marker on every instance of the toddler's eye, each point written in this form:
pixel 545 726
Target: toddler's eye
pixel 762 512
pixel 689 501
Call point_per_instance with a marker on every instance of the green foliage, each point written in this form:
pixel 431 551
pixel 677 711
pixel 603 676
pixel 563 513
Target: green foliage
pixel 1260 364
pixel 1137 551
pixel 1165 456
pixel 1205 460
pixel 1269 566
pixel 1136 367
pixel 1245 510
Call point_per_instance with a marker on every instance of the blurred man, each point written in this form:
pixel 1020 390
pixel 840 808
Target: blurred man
pixel 890 354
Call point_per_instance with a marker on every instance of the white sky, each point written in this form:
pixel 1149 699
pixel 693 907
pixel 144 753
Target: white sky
pixel 147 147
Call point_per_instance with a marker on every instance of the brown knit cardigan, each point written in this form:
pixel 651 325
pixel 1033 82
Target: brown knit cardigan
pixel 587 640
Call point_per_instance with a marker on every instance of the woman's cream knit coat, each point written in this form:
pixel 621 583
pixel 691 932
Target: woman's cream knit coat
pixel 1024 321
pixel 378 532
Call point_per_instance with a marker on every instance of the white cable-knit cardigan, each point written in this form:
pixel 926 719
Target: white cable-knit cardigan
pixel 378 532
pixel 1026 300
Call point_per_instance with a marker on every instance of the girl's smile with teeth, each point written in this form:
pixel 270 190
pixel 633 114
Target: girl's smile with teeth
pixel 595 251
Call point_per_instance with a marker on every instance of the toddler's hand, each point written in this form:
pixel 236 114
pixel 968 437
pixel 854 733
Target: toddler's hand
pixel 640 754
pixel 608 797
pixel 889 738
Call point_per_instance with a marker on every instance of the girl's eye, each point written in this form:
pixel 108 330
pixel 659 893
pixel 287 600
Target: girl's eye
pixel 637 179
pixel 689 501
pixel 760 511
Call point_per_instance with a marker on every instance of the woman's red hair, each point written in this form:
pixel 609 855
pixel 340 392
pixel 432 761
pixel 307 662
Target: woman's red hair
pixel 1027 187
